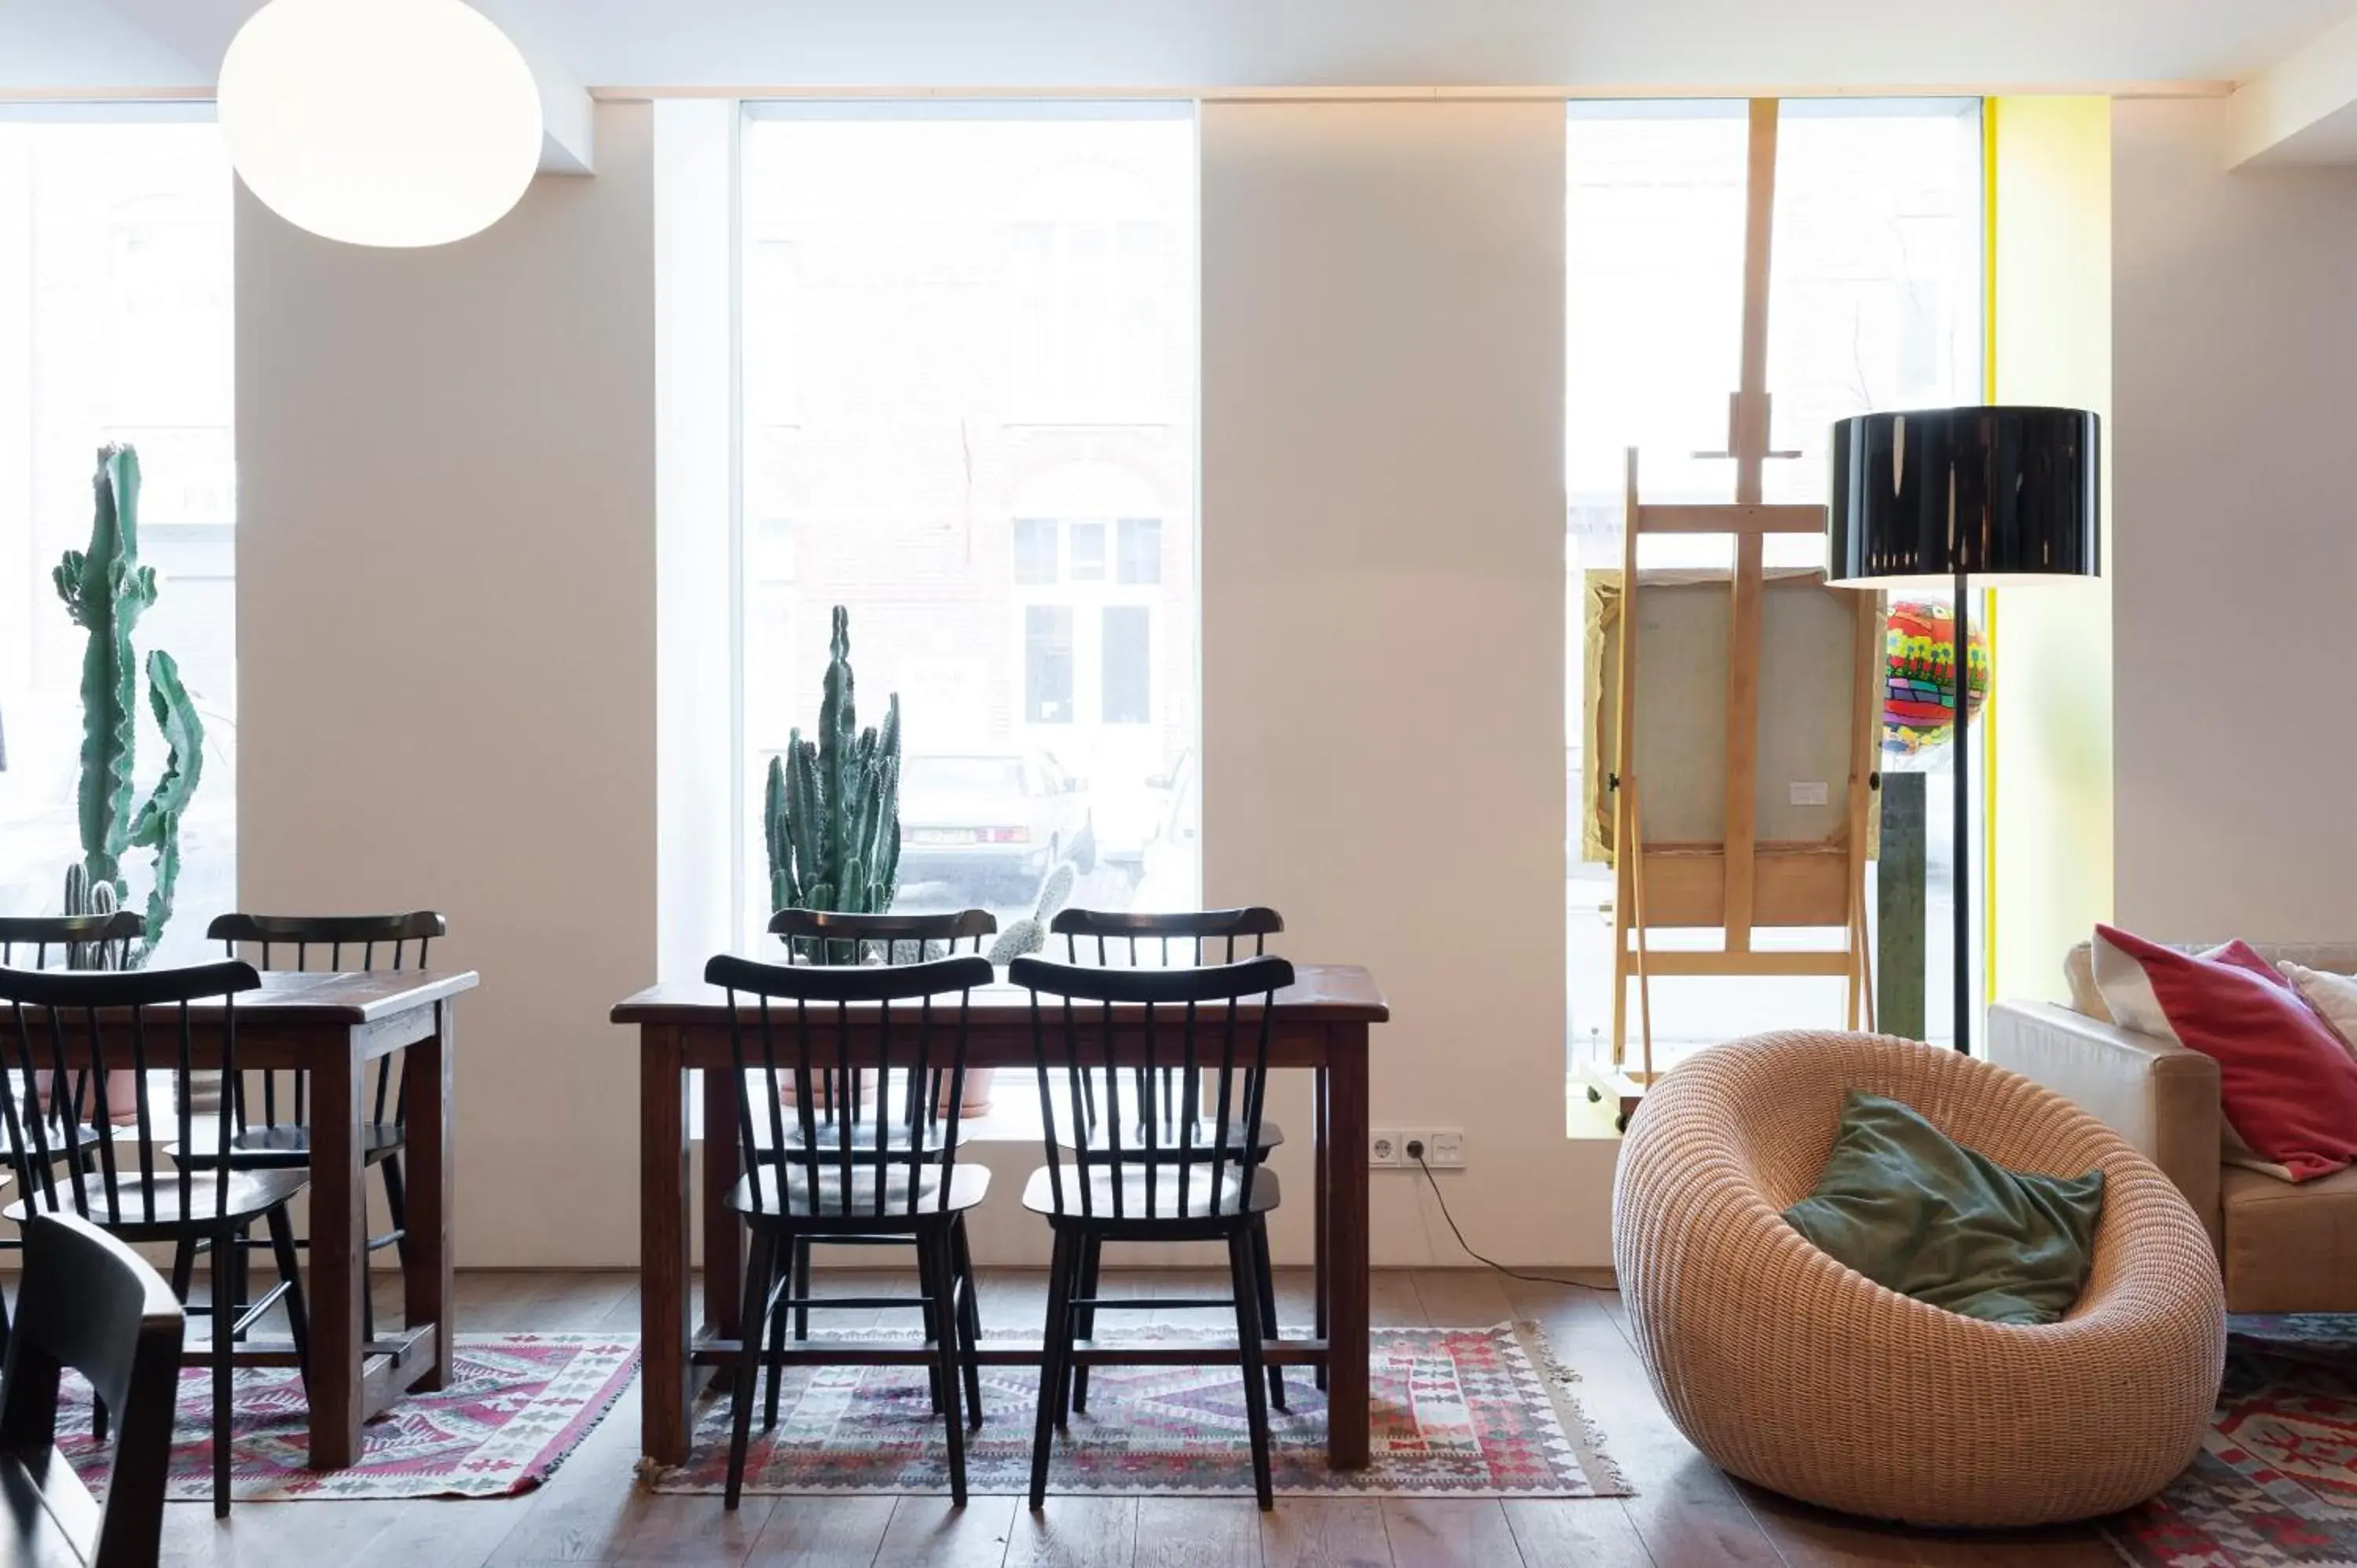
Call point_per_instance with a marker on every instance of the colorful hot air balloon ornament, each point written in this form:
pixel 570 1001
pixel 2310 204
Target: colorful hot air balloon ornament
pixel 1918 707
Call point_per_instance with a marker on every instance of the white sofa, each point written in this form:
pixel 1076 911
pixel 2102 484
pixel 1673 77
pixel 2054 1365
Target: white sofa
pixel 2282 1248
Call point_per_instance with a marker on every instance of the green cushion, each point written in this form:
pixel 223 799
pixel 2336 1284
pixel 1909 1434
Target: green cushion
pixel 1917 1212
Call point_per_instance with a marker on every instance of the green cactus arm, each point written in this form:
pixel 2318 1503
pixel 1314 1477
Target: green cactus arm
pixel 1019 939
pixel 806 820
pixel 773 836
pixel 158 826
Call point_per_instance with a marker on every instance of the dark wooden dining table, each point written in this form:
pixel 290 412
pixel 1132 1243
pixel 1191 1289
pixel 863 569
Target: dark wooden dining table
pixel 336 1026
pixel 1320 1025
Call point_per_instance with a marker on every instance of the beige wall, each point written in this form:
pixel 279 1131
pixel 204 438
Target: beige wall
pixel 446 650
pixel 1383 616
pixel 2235 378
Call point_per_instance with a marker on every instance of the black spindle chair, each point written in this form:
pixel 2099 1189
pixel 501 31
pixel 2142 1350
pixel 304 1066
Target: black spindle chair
pixel 890 1169
pixel 89 1303
pixel 827 937
pixel 1191 937
pixel 141 1022
pixel 71 941
pixel 1184 1179
pixel 269 1111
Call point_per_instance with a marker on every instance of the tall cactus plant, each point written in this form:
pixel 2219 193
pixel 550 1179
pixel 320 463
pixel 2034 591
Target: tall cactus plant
pixel 832 812
pixel 106 590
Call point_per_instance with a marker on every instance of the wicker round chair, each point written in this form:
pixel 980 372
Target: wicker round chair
pixel 1796 1372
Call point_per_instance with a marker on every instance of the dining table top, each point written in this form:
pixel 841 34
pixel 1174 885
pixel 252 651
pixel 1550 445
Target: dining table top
pixel 1321 993
pixel 341 996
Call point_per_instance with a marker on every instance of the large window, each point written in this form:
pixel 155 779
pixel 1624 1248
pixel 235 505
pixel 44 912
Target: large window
pixel 969 385
pixel 1875 303
pixel 115 317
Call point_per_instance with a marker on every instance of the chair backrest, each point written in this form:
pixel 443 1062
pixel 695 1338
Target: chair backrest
pixel 824 936
pixel 1187 937
pixel 88 1303
pixel 837 1024
pixel 387 941
pixel 77 1027
pixel 1192 1131
pixel 403 939
pixel 81 941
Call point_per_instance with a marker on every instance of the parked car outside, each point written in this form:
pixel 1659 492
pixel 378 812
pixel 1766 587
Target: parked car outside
pixel 988 826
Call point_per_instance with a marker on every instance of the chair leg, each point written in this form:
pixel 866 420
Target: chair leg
pixel 1055 1346
pixel 1084 1321
pixel 298 1322
pixel 969 1319
pixel 1264 1277
pixel 184 1267
pixel 780 1269
pixel 1248 1331
pixel 749 1325
pixel 930 1288
pixel 942 1327
pixel 226 1254
pixel 801 1288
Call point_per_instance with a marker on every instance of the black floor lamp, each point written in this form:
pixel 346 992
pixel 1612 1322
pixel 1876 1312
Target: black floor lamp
pixel 1941 498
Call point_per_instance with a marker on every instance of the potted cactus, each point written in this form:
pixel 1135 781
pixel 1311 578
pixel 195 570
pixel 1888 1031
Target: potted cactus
pixel 831 816
pixel 105 590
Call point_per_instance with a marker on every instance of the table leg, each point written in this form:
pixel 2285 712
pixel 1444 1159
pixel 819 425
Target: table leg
pixel 1322 1155
pixel 425 1081
pixel 667 1387
pixel 723 1233
pixel 339 1260
pixel 1343 1140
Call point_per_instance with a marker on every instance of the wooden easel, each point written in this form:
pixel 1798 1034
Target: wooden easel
pixel 1740 885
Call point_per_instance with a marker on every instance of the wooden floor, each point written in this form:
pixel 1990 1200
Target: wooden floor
pixel 593 1511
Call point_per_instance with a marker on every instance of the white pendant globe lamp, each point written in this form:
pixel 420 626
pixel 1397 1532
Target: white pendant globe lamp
pixel 392 122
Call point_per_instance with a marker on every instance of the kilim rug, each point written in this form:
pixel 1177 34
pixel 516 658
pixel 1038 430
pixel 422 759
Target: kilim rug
pixel 1469 1412
pixel 516 1404
pixel 2276 1482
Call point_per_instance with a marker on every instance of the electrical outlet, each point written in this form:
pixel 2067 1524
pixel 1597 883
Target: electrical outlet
pixel 1445 1150
pixel 1383 1149
pixel 1415 1149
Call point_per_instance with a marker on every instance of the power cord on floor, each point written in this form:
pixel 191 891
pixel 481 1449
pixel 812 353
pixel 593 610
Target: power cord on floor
pixel 1415 1153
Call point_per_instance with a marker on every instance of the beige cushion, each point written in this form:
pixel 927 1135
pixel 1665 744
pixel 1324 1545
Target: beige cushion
pixel 2332 995
pixel 2079 967
pixel 2291 1249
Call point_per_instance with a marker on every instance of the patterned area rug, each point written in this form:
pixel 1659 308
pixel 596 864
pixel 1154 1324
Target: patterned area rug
pixel 2276 1482
pixel 516 1404
pixel 1457 1413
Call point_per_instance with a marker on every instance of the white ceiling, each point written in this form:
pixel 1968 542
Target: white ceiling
pixel 48 44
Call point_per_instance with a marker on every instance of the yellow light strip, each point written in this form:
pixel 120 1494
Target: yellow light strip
pixel 1988 600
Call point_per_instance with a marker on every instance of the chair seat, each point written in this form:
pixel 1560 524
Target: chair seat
pixel 1165 1202
pixel 251 1194
pixel 827 1134
pixel 788 1194
pixel 279 1145
pixel 1207 1135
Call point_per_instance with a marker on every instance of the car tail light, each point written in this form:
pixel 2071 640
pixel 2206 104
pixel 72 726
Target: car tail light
pixel 1003 835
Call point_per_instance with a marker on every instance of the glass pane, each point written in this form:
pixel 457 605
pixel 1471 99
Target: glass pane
pixel 1874 301
pixel 1128 665
pixel 1035 550
pixel 1141 549
pixel 1048 665
pixel 1088 552
pixel 115 326
pixel 986 319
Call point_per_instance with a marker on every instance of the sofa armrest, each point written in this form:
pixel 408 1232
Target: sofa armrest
pixel 2160 1097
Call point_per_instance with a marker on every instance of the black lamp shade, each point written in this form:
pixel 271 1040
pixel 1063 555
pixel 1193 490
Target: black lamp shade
pixel 1998 494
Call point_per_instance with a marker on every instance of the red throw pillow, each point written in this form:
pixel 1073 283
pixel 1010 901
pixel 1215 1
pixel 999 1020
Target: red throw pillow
pixel 2287 1085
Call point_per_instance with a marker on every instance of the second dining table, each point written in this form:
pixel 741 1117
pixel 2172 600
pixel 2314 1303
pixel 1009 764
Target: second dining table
pixel 335 1026
pixel 1321 1025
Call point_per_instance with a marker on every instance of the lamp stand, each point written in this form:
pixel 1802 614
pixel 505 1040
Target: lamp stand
pixel 1962 880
